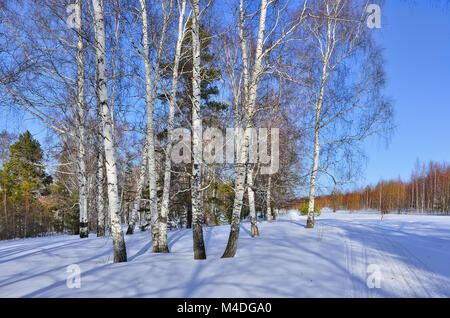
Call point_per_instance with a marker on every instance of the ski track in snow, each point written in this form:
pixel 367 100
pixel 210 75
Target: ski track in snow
pixel 415 273
pixel 288 260
pixel 411 274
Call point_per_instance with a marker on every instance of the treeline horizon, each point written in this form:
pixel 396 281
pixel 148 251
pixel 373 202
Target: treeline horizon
pixel 427 191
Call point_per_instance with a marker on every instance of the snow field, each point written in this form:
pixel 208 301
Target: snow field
pixel 410 255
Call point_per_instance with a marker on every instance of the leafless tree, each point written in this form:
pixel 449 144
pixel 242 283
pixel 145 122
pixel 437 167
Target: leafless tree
pixel 343 79
pixel 254 66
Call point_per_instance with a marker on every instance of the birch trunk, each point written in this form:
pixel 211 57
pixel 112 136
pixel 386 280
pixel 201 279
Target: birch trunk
pixel 168 162
pixel 197 213
pixel 269 199
pixel 140 188
pixel 188 215
pixel 316 152
pixel 417 195
pixel 120 253
pixel 381 193
pixel 102 219
pixel 434 204
pixel 150 93
pixel 312 188
pixel 81 120
pixel 101 222
pixel 423 195
pixel 251 203
pixel 249 104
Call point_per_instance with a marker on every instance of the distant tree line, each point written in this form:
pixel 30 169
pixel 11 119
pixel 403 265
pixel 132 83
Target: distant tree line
pixel 428 191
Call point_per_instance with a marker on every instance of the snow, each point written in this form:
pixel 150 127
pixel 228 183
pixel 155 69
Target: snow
pixel 335 259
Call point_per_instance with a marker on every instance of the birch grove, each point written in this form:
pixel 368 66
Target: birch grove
pixel 251 78
pixel 153 109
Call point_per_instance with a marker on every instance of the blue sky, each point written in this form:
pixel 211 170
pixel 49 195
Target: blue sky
pixel 416 38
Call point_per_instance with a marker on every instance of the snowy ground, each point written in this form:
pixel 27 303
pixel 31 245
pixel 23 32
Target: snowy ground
pixel 412 254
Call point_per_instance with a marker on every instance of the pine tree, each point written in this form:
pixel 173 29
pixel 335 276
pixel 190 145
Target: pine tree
pixel 24 181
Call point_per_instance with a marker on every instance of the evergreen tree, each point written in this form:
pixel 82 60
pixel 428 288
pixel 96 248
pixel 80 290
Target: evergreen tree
pixel 24 184
pixel 212 112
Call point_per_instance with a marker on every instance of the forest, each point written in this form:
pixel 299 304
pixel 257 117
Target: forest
pixel 136 94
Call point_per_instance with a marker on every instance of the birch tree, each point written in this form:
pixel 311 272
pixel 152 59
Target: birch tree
pixel 151 84
pixel 344 84
pixel 120 253
pixel 170 125
pixel 251 203
pixel 99 177
pixel 250 88
pixel 140 188
pixel 197 212
pixel 81 113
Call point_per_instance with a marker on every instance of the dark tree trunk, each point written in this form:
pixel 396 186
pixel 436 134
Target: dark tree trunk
pixel 120 252
pixel 100 230
pixel 84 231
pixel 255 231
pixel 155 239
pixel 199 247
pixel 163 247
pixel 310 222
pixel 189 218
pixel 241 176
pixel 230 251
pixel 130 229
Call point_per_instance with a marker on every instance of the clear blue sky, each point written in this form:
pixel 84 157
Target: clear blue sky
pixel 416 38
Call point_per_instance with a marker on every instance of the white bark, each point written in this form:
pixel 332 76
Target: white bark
pixel 317 125
pixel 335 43
pixel 140 188
pixel 251 203
pixel 80 115
pixel 101 220
pixel 120 254
pixel 197 213
pixel 150 92
pixel 249 105
pixel 172 104
pixel 326 55
pixel 269 199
